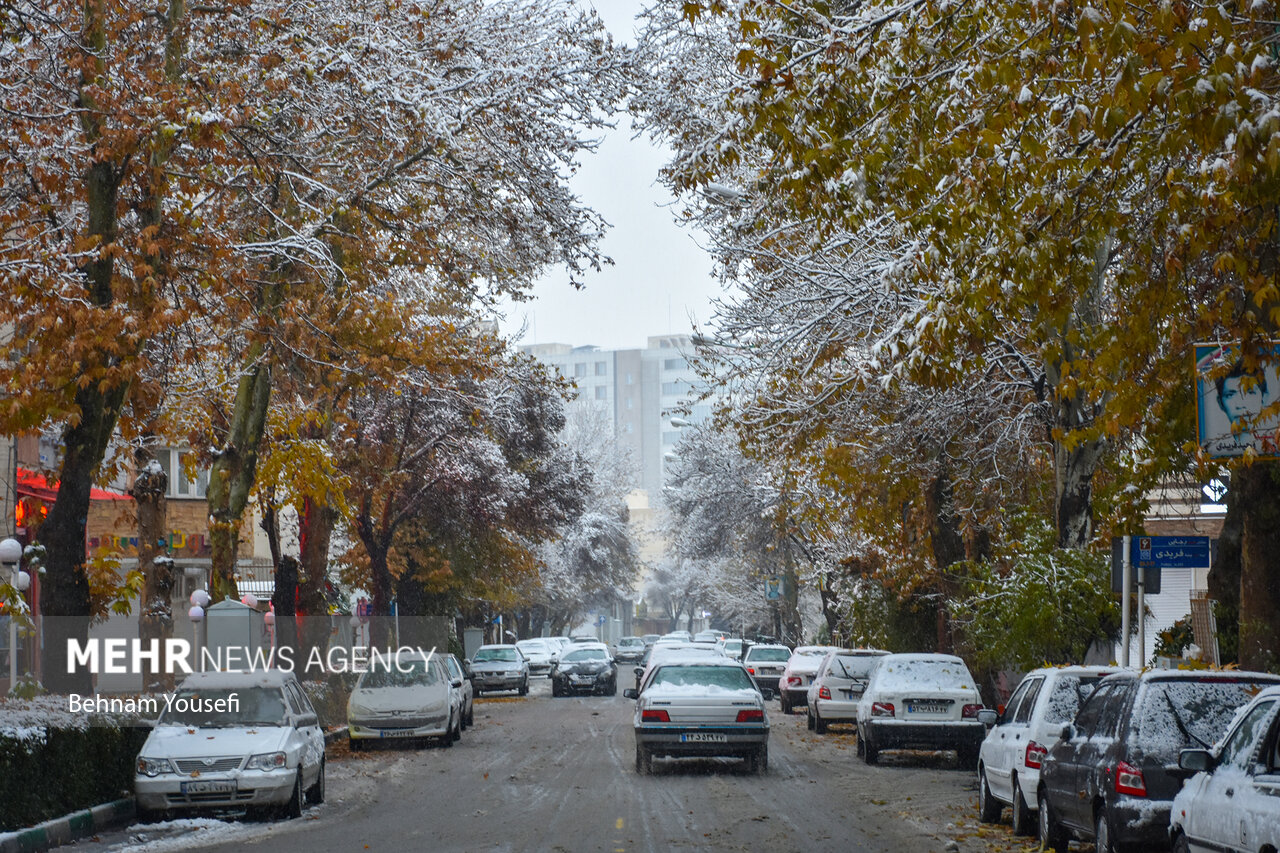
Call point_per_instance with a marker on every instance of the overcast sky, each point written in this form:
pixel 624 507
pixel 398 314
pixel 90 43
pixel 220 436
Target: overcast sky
pixel 660 276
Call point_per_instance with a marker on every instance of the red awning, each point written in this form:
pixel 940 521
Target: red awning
pixel 36 485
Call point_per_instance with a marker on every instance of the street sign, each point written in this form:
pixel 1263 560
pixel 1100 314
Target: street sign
pixel 773 587
pixel 364 610
pixel 1150 574
pixel 602 619
pixel 1170 552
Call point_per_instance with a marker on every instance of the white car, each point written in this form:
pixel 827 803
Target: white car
pixel 1232 802
pixel 539 654
pixel 411 696
pixel 766 662
pixel 1022 733
pixel 920 701
pixel 246 740
pixel 704 706
pixel 460 682
pixel 838 685
pixel 802 666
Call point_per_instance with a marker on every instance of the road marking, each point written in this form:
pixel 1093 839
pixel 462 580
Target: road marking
pixel 619 824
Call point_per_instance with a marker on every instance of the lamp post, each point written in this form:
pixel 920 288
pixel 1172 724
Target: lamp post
pixel 10 556
pixel 199 601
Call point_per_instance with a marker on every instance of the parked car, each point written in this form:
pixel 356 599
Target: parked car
pixel 629 650
pixel 650 639
pixel 1022 732
pixel 246 740
pixel 587 669
pixel 733 647
pixel 700 707
pixel 1112 777
pixel 678 636
pixel 411 696
pixel 1233 800
pixel 539 654
pixel 707 637
pixel 499 667
pixel 466 690
pixel 920 701
pixel 766 663
pixel 836 688
pixel 797 675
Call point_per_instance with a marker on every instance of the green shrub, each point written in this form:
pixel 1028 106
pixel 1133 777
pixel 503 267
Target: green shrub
pixel 47 771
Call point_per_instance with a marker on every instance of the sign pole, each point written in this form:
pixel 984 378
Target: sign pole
pixel 1125 579
pixel 1142 621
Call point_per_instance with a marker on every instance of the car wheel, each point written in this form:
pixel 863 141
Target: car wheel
pixel 1024 823
pixel 988 806
pixel 471 716
pixel 762 759
pixel 293 808
pixel 148 815
pixel 613 688
pixel 819 724
pixel 1180 843
pixel 446 740
pixel 808 719
pixel 786 706
pixel 555 690
pixel 967 757
pixel 457 727
pixel 1102 832
pixel 524 689
pixel 870 750
pixel 1052 835
pixel 644 761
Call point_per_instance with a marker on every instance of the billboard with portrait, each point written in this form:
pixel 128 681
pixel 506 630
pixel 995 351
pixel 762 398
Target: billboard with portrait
pixel 1237 408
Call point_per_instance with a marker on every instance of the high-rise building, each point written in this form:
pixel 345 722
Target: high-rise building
pixel 639 390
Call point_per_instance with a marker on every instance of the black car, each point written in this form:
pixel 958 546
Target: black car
pixel 585 670
pixel 1113 775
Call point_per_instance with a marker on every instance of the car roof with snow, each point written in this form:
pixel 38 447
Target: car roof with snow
pixel 239 678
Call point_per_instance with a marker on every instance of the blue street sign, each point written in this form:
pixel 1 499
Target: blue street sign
pixel 601 620
pixel 1169 552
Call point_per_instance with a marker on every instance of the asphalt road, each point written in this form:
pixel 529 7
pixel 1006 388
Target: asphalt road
pixel 543 774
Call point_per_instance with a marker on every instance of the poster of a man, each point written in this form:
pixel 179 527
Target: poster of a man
pixel 1237 406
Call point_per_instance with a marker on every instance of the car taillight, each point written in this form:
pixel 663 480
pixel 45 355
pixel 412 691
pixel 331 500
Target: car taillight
pixel 751 669
pixel 824 693
pixel 882 709
pixel 652 716
pixel 970 712
pixel 1035 755
pixel 1129 780
pixel 756 716
pixel 794 681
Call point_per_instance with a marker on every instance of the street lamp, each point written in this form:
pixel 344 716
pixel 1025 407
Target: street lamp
pixel 10 556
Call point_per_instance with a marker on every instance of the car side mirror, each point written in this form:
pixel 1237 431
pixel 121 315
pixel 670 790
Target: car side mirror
pixel 1195 760
pixel 631 693
pixel 988 717
pixel 457 683
pixel 1068 731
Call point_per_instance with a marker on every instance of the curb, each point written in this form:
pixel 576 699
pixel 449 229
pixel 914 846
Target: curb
pixel 67 828
pixel 329 738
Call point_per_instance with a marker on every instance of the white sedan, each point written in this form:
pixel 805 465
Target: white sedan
pixel 246 740
pixel 1230 804
pixel 920 701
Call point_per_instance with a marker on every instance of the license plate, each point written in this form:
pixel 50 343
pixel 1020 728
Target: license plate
pixel 395 732
pixel 927 709
pixel 210 786
pixel 704 737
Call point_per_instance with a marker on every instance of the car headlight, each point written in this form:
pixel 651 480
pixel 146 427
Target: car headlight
pixel 154 766
pixel 268 761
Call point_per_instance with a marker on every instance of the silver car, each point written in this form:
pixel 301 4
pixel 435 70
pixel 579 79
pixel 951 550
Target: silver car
pixel 465 688
pixel 499 667
pixel 700 707
pixel 410 696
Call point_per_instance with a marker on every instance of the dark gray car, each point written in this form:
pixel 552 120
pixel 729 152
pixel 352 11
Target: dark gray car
pixel 499 667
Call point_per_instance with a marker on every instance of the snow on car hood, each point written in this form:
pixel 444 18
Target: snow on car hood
pixel 187 742
pixel 413 697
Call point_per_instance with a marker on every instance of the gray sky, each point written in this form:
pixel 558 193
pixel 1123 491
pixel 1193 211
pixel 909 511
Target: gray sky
pixel 660 276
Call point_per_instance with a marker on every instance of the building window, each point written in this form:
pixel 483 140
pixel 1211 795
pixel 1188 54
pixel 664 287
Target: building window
pixel 674 364
pixel 602 392
pixel 580 369
pixel 629 379
pixel 680 386
pixel 602 368
pixel 180 486
pixel 627 427
pixel 628 403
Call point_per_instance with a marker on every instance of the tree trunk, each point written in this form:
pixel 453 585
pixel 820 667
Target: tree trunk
pixel 315 532
pixel 1224 580
pixel 1073 491
pixel 234 469
pixel 155 612
pixel 380 595
pixel 284 604
pixel 1256 488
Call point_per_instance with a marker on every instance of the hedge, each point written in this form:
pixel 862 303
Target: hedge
pixel 44 775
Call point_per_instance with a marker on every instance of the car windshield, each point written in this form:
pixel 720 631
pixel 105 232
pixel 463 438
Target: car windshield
pixel 1178 715
pixel 225 707
pixel 630 643
pixel 1068 695
pixel 852 666
pixel 507 655
pixel 769 655
pixel 585 654
pixel 708 677
pixel 404 672
pixel 911 673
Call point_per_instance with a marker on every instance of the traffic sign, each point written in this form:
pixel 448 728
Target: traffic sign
pixel 1170 552
pixel 364 609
